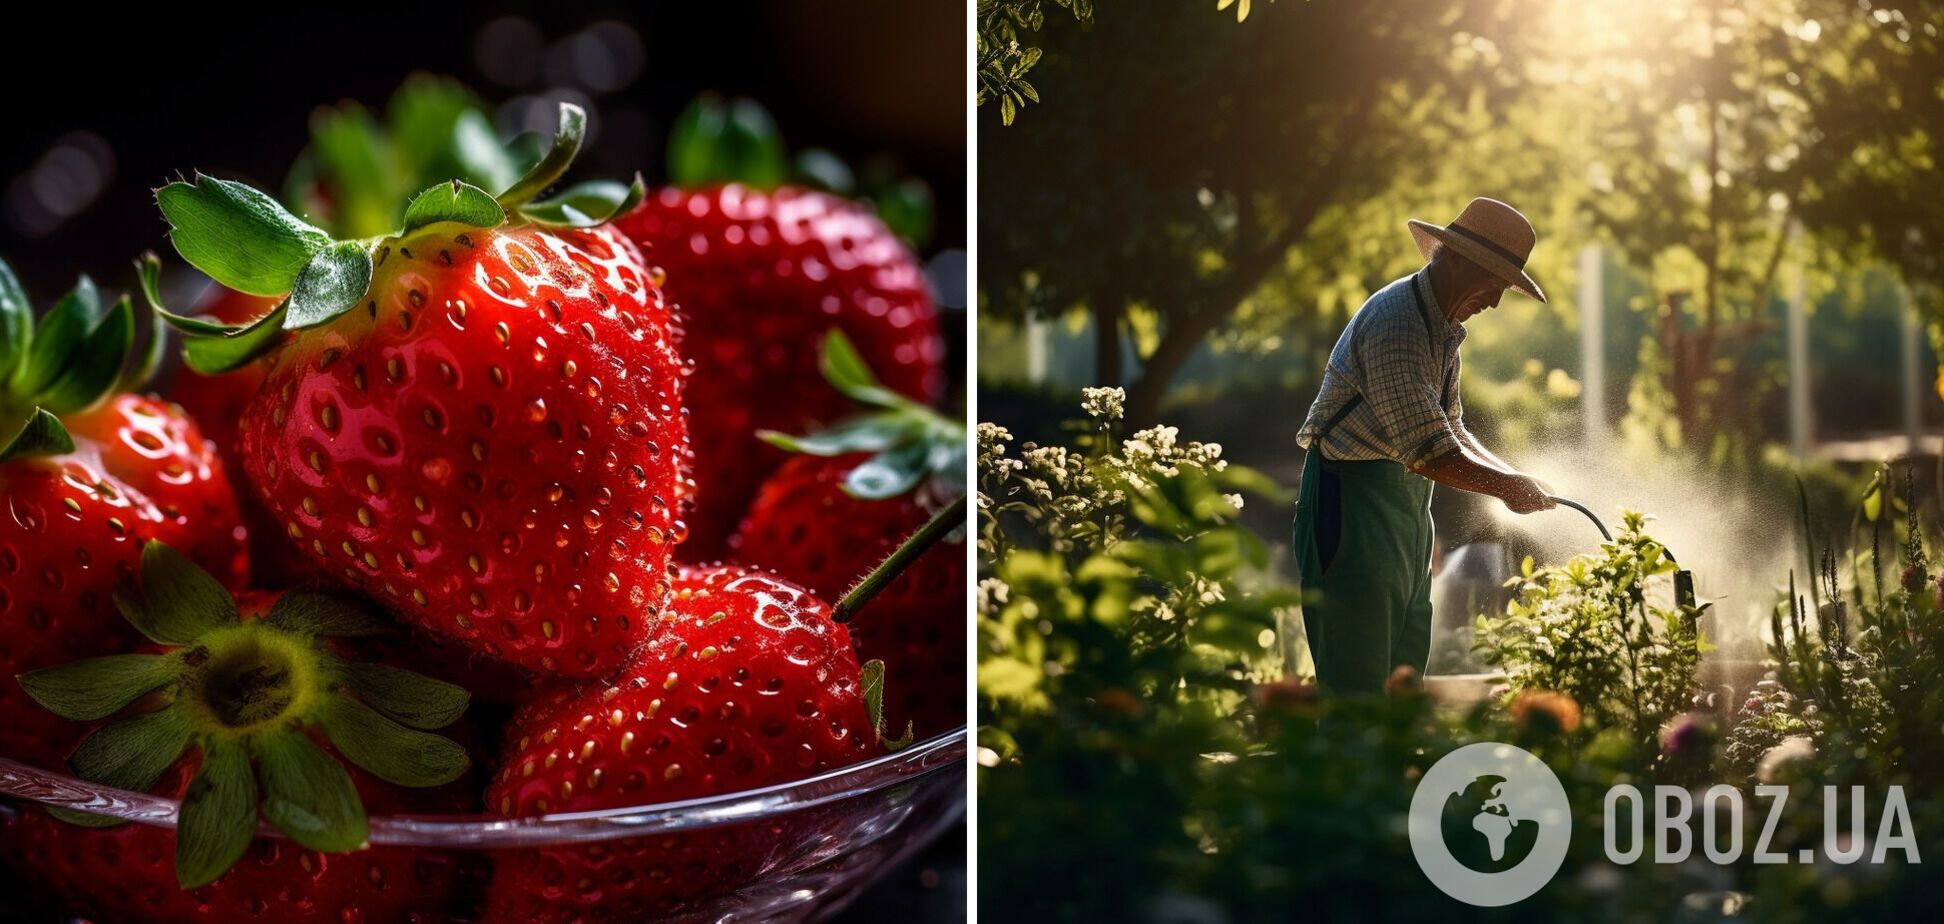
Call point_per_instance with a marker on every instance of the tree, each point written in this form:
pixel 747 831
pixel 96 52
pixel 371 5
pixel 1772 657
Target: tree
pixel 1191 158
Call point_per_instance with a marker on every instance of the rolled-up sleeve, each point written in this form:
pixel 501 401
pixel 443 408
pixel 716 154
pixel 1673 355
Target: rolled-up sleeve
pixel 1403 383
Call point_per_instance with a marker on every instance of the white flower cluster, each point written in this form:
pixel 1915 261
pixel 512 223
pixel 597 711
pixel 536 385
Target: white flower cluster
pixel 1159 451
pixel 1103 404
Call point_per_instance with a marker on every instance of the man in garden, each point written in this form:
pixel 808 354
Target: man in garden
pixel 1386 424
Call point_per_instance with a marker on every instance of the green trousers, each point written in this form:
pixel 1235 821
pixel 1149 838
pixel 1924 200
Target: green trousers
pixel 1363 547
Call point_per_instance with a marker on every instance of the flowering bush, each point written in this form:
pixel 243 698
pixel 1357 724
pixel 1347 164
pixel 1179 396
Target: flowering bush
pixel 1592 629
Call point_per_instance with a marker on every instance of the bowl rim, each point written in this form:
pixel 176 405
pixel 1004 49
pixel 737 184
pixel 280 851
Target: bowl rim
pixel 937 754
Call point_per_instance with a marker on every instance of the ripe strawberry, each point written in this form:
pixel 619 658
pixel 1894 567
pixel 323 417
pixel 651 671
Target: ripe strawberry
pixel 216 402
pixel 87 477
pixel 241 703
pixel 479 422
pixel 748 684
pixel 757 273
pixel 844 504
pixel 126 873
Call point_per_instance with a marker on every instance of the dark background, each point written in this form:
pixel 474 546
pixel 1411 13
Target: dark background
pixel 160 95
pixel 100 106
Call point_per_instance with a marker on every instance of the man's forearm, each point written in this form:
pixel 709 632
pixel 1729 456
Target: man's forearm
pixel 1486 456
pixel 1461 470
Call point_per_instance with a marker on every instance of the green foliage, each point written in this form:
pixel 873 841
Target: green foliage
pixel 1004 61
pixel 1589 629
pixel 1138 761
pixel 1858 673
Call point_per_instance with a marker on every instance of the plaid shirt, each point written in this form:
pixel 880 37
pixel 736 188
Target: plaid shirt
pixel 1404 361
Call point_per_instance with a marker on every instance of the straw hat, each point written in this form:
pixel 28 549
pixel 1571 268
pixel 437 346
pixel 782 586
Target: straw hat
pixel 1489 233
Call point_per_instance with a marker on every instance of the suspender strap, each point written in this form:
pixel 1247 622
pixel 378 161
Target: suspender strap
pixel 1444 399
pixel 1337 418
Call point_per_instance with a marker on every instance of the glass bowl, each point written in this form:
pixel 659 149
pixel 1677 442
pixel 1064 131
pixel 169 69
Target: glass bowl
pixel 819 841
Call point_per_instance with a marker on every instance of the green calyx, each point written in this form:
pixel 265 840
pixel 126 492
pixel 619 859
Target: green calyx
pixel 75 358
pixel 909 441
pixel 361 167
pixel 716 141
pixel 252 698
pixel 245 240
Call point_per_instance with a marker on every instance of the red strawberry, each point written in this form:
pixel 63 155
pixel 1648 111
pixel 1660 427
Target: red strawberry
pixel 85 480
pixel 832 514
pixel 217 401
pixel 758 277
pixel 479 420
pixel 127 873
pixel 806 527
pixel 748 684
pixel 241 703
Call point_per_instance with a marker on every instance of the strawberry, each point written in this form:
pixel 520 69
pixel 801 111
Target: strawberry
pixel 87 476
pixel 758 275
pixel 125 873
pixel 478 420
pixel 844 503
pixel 217 401
pixel 241 703
pixel 750 683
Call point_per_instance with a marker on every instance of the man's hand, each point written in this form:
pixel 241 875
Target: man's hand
pixel 1521 493
pixel 1525 494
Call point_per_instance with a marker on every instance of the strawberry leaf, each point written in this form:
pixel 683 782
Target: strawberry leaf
pixel 844 368
pixel 585 205
pixel 239 236
pixel 42 435
pixel 149 270
pixel 477 155
pixel 736 142
pixel 61 333
pixel 231 348
pixel 889 473
pixel 16 319
pixel 179 601
pixel 868 433
pixel 326 614
pixel 96 365
pixel 97 688
pixel 454 201
pixel 826 171
pixel 566 143
pixel 218 816
pixel 355 163
pixel 332 283
pixel 439 130
pixel 408 697
pixel 133 753
pixel 308 795
pixel 907 209
pixel 388 750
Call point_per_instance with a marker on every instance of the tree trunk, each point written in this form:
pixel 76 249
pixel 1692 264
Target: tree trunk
pixel 1106 309
pixel 1144 397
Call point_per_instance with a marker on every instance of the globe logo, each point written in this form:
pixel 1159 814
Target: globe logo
pixel 1490 824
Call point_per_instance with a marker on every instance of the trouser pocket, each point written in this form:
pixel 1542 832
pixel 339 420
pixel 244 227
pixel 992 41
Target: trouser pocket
pixel 1329 517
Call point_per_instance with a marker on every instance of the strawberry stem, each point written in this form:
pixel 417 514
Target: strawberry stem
pixel 946 520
